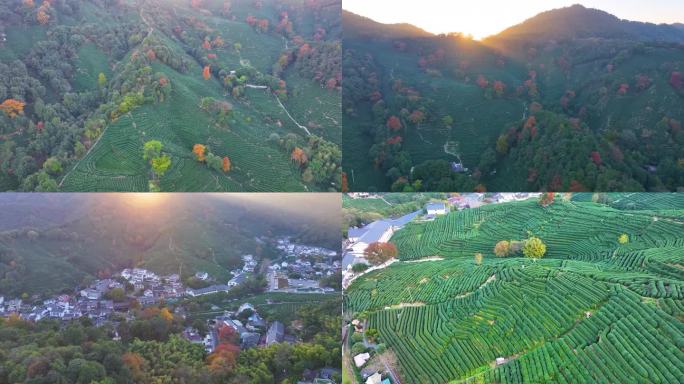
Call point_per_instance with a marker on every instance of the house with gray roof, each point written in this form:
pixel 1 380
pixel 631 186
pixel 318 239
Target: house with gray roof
pixel 275 333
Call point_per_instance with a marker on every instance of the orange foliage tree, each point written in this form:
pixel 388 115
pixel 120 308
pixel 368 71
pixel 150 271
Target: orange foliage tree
pixel 299 156
pixel 199 151
pixel 28 3
pixel 166 314
pixel 12 107
pixel 206 73
pixel 226 164
pixel 42 15
pixel 135 364
pixel 345 183
pixel 223 359
pixel 378 253
pixel 546 199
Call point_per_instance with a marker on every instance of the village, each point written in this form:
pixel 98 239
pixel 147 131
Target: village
pixel 101 299
pixel 301 267
pixel 298 270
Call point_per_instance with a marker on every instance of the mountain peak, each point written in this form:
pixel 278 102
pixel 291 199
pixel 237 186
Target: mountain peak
pixel 360 26
pixel 577 21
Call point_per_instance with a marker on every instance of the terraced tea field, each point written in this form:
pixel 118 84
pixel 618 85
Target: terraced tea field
pixel 116 163
pixel 250 136
pixel 593 309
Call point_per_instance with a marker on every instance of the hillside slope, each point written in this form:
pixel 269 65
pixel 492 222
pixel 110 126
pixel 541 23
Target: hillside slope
pixel 250 82
pixel 414 104
pixel 592 297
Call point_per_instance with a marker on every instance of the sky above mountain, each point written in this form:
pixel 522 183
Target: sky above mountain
pixel 483 18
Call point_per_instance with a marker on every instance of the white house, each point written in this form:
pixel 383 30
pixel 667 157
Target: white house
pixel 375 378
pixel 202 275
pixel 436 209
pixel 92 294
pixel 360 359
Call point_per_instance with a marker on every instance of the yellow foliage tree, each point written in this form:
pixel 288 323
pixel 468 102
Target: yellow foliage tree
pixel 478 258
pixel 534 248
pixel 623 239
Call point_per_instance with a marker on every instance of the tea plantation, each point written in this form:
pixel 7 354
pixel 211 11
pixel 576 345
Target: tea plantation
pixel 598 307
pixel 254 85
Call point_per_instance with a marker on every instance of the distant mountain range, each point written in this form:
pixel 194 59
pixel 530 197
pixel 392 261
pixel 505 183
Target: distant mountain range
pixel 571 22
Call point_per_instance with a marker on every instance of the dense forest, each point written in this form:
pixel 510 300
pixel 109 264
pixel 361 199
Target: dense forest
pixel 148 349
pixel 201 95
pixel 572 99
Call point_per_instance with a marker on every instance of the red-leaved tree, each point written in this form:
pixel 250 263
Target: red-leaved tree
pixel 394 123
pixel 378 253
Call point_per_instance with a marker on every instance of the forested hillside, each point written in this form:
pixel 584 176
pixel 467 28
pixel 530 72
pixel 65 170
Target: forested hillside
pixel 573 99
pixel 573 288
pixel 152 95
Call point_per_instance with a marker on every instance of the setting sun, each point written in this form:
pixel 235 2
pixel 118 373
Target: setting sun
pixel 143 200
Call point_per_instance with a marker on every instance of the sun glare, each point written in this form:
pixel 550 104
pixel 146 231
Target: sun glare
pixel 143 200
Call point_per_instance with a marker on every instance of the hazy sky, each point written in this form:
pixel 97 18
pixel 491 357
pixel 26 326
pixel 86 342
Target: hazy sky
pixel 482 18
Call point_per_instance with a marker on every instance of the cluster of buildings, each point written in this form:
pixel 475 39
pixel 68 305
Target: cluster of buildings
pixel 254 331
pixel 140 284
pixel 154 288
pixel 239 277
pixel 247 324
pixel 301 268
pixel 292 249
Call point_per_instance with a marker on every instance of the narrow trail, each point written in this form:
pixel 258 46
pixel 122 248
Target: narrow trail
pixel 383 199
pixel 290 116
